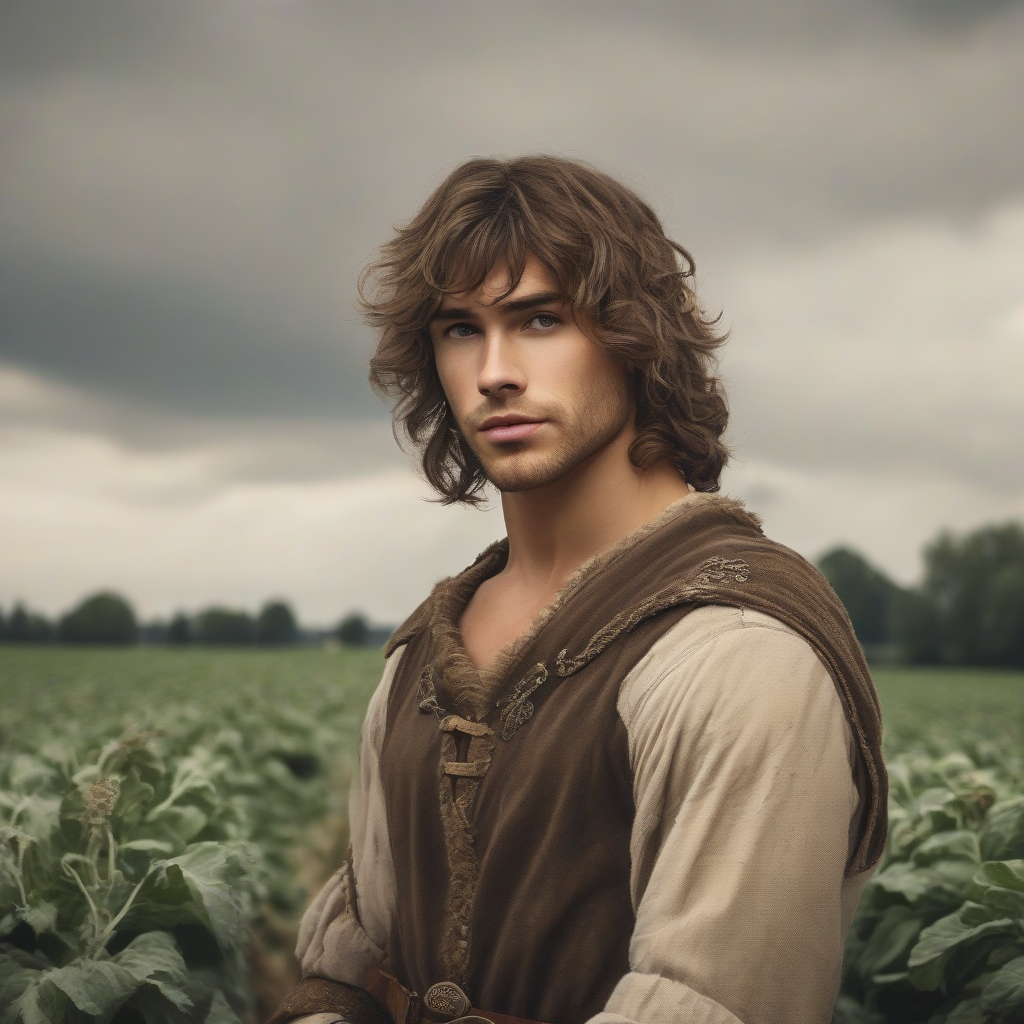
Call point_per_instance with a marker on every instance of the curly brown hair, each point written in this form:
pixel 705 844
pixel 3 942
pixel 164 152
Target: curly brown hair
pixel 622 277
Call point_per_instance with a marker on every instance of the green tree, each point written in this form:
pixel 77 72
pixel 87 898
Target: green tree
pixel 104 618
pixel 276 624
pixel 916 627
pixel 27 627
pixel 976 586
pixel 179 631
pixel 353 630
pixel 867 593
pixel 225 626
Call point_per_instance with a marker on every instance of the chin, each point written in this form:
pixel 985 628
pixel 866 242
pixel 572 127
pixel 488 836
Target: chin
pixel 527 475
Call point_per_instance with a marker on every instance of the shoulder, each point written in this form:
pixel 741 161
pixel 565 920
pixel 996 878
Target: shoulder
pixel 723 674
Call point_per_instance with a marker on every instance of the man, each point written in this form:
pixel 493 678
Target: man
pixel 626 766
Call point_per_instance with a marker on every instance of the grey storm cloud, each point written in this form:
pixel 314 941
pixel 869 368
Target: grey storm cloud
pixel 189 190
pixel 179 345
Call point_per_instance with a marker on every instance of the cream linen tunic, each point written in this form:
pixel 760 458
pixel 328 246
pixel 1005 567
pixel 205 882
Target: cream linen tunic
pixel 742 764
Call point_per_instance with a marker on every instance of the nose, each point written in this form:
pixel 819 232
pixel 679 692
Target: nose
pixel 500 372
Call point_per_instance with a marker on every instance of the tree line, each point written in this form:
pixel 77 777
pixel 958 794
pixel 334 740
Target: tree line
pixel 967 610
pixel 108 618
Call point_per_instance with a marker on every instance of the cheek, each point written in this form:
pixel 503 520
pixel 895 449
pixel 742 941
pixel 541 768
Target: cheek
pixel 571 364
pixel 455 375
pixel 610 370
pixel 594 375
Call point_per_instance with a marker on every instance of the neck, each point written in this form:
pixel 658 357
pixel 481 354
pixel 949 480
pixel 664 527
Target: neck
pixel 553 530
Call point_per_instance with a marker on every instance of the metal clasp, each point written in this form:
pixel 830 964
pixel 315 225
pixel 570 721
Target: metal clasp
pixel 445 1002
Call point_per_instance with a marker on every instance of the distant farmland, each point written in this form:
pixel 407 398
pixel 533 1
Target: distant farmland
pixel 199 796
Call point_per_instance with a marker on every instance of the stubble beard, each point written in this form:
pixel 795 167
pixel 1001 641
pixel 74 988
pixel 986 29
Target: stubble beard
pixel 597 420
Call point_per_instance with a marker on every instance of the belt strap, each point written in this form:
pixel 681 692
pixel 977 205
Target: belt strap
pixel 407 1007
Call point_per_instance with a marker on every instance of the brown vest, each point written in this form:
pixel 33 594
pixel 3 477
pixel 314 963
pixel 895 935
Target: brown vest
pixel 510 799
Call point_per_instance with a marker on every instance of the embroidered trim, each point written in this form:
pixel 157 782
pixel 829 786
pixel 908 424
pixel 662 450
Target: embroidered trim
pixel 428 695
pixel 710 575
pixel 457 798
pixel 722 570
pixel 516 707
pixel 471 691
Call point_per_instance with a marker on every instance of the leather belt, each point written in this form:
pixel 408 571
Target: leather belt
pixel 443 1003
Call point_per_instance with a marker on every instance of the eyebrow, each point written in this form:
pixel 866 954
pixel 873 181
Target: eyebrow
pixel 508 306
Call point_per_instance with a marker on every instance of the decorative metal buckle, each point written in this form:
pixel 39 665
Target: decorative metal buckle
pixel 445 1003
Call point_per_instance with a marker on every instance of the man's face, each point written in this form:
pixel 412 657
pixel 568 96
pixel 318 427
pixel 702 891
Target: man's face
pixel 533 396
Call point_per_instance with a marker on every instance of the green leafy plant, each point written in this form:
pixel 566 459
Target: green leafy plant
pixel 125 882
pixel 131 877
pixel 939 934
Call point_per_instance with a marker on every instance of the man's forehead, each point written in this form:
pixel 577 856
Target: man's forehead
pixel 536 278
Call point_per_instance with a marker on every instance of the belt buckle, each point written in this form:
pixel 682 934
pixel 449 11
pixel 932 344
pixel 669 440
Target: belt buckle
pixel 446 1003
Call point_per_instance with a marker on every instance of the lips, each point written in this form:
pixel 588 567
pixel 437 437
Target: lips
pixel 509 428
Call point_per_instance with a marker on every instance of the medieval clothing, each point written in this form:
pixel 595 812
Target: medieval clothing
pixel 660 804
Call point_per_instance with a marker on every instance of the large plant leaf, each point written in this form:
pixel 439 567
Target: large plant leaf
pixel 934 888
pixel 155 1009
pixel 220 1012
pixel 1002 836
pixel 154 958
pixel 999 887
pixel 133 801
pixel 97 987
pixel 891 940
pixel 215 876
pixel 958 844
pixel 178 824
pixel 849 1011
pixel 15 980
pixel 40 915
pixel 940 941
pixel 968 1012
pixel 40 1003
pixel 135 754
pixel 194 777
pixel 30 774
pixel 1004 994
pixel 942 806
pixel 1005 902
pixel 39 816
pixel 1008 874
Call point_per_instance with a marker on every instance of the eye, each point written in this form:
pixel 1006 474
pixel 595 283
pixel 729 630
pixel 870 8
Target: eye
pixel 543 321
pixel 460 331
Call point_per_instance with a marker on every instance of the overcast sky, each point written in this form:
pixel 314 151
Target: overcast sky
pixel 188 191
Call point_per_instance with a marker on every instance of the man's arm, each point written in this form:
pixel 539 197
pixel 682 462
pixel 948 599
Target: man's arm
pixel 345 930
pixel 742 761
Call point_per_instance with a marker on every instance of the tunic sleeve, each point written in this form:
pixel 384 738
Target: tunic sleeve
pixel 743 781
pixel 346 928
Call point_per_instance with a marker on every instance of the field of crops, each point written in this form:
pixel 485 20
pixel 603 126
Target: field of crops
pixel 164 814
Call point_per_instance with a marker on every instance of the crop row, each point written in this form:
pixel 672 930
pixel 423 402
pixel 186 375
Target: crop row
pixel 133 869
pixel 137 864
pixel 939 933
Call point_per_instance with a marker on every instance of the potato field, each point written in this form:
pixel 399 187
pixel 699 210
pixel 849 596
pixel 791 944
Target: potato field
pixel 165 815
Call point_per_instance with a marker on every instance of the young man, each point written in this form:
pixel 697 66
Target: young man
pixel 626 766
